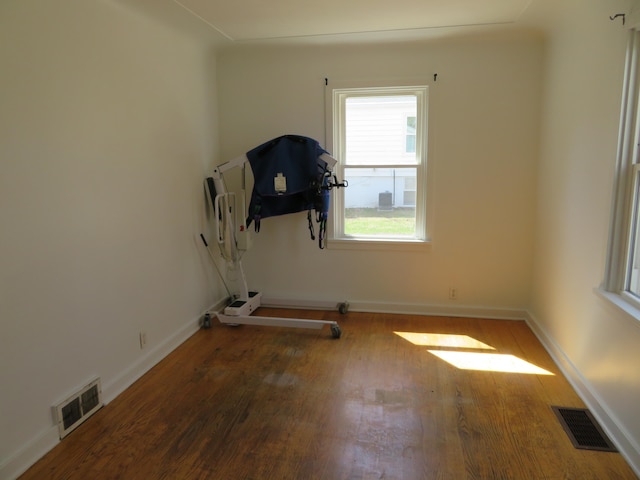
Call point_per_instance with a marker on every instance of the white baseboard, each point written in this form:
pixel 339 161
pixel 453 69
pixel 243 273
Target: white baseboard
pixel 28 454
pixel 589 395
pixel 440 310
pixel 111 389
pixel 403 308
pixel 125 379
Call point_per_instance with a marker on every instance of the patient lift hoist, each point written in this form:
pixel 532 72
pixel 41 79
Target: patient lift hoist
pixel 232 237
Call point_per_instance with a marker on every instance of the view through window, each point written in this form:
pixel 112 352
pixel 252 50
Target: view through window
pixel 381 139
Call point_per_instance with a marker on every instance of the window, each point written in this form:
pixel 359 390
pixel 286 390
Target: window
pixel 623 265
pixel 380 141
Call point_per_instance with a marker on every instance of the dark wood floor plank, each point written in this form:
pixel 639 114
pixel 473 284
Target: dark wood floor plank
pixel 275 403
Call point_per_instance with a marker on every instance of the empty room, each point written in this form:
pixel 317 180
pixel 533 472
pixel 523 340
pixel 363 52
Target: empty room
pixel 465 263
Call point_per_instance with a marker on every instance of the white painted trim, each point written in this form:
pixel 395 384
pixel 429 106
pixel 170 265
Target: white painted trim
pixel 28 454
pixel 402 308
pixel 125 379
pixel 616 431
pixel 335 95
pixel 439 310
pixel 632 20
pixel 623 303
pixel 622 201
pixel 362 244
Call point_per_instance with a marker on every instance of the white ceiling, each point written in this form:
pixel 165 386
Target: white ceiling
pixel 250 20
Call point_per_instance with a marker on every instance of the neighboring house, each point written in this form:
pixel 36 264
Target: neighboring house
pixel 388 136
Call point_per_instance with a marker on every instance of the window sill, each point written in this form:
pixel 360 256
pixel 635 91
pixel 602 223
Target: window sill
pixel 621 303
pixel 385 245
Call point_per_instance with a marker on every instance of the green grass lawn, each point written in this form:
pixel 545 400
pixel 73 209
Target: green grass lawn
pixel 371 221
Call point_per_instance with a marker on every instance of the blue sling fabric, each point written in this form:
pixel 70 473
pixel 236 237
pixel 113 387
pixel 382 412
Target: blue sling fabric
pixel 288 178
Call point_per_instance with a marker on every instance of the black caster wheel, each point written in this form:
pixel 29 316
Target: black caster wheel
pixel 343 308
pixel 335 331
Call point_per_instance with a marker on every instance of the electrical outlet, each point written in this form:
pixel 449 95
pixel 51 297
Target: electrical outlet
pixel 143 339
pixel 453 293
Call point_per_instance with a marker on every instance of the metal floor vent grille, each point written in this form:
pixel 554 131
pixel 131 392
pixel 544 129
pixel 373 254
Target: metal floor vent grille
pixel 583 430
pixel 78 407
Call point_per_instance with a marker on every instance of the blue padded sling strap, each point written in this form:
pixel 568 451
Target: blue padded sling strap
pixel 288 177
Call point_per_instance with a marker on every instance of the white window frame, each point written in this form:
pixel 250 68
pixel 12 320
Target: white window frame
pixel 335 98
pixel 616 286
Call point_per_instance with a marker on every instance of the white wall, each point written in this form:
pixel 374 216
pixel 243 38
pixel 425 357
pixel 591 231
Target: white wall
pixel 484 120
pixel 107 126
pixel 597 344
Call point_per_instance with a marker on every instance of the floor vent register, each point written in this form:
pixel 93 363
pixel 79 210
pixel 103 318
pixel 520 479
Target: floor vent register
pixel 583 429
pixel 77 408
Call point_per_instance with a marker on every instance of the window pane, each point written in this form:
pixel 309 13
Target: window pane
pixel 380 202
pixel 411 135
pixel 378 130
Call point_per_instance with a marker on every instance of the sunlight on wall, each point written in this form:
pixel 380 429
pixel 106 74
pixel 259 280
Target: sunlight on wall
pixel 453 349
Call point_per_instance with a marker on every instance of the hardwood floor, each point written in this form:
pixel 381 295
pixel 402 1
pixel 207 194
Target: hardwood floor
pixel 272 403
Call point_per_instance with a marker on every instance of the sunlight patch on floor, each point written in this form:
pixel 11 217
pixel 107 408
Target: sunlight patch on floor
pixel 443 340
pixel 489 362
pixel 455 350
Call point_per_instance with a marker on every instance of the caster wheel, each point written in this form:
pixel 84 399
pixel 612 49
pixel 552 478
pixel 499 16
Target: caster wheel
pixel 343 308
pixel 335 331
